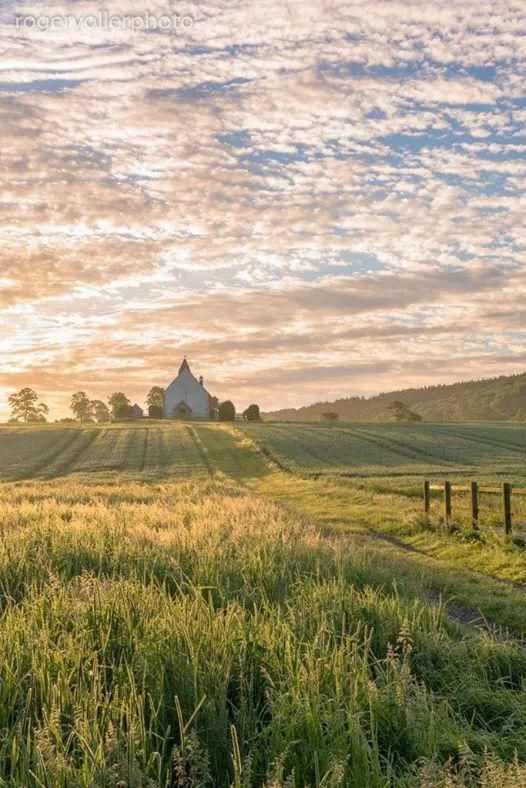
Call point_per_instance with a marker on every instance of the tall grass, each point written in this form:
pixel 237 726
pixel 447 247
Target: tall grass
pixel 179 635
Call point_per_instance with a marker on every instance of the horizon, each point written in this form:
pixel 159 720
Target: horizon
pixel 141 401
pixel 320 202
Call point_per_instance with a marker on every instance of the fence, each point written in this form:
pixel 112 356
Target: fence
pixel 474 491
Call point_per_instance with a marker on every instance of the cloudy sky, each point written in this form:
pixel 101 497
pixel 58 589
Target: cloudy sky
pixel 308 198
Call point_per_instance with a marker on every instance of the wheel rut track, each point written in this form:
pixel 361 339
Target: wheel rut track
pixel 401 448
pixel 63 467
pixel 494 444
pixel 145 450
pixel 48 459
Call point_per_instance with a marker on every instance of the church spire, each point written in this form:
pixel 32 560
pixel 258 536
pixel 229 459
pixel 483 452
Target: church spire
pixel 184 366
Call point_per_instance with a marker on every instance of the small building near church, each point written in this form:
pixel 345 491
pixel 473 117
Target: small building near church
pixel 137 412
pixel 186 396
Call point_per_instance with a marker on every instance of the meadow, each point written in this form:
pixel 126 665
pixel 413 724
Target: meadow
pixel 180 610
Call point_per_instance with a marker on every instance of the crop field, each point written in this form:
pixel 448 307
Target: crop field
pixel 178 611
pixel 100 453
pixel 489 451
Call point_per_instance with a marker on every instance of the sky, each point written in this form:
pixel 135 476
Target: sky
pixel 308 199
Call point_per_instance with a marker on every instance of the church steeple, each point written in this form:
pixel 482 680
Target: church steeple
pixel 184 366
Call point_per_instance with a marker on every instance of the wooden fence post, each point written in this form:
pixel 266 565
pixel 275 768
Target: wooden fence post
pixel 506 497
pixel 447 502
pixel 427 497
pixel 475 505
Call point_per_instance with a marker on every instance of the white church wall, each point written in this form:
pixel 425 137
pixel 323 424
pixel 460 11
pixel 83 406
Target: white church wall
pixel 185 388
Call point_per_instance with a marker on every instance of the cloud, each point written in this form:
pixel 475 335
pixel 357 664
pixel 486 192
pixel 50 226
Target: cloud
pixel 223 190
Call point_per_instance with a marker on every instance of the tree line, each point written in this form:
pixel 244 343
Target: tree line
pixel 26 407
pixel 399 412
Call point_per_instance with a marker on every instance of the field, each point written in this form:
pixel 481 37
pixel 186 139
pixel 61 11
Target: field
pixel 113 453
pixel 193 605
pixel 487 451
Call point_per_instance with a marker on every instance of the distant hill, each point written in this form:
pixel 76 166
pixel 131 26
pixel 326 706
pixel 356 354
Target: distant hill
pixel 494 399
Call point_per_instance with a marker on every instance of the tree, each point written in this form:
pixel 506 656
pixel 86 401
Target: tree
pixel 227 411
pixel 398 409
pixel 252 413
pixel 24 406
pixel 118 402
pixel 100 411
pixel 40 415
pixel 155 412
pixel 155 399
pixel 214 408
pixel 401 412
pixel 330 416
pixel 81 406
pixel 124 412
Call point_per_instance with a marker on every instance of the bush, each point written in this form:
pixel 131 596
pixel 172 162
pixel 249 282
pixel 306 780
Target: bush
pixel 227 411
pixel 155 412
pixel 251 413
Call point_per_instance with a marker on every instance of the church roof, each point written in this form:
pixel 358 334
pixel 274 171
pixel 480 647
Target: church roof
pixel 184 366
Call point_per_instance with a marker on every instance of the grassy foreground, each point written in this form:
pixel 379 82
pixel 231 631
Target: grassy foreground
pixel 176 611
pixel 192 634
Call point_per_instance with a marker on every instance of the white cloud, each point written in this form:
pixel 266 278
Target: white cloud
pixel 214 183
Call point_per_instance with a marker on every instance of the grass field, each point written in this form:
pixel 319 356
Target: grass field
pixel 486 451
pixel 178 611
pixel 115 453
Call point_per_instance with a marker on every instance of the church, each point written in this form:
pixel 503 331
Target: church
pixel 186 397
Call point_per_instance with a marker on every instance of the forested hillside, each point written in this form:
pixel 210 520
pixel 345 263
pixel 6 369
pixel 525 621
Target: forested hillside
pixel 494 399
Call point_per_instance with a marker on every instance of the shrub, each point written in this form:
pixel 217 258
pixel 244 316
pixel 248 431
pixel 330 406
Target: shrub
pixel 252 413
pixel 227 411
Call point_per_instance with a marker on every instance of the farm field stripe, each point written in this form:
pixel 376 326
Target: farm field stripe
pixel 327 472
pixel 143 463
pixel 200 448
pixel 50 458
pixel 402 448
pixel 479 439
pixel 67 463
pixel 399 448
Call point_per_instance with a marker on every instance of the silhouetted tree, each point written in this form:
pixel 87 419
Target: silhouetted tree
pixel 155 412
pixel 252 413
pixel 330 416
pixel 118 403
pixel 24 406
pixel 155 399
pixel 40 415
pixel 81 406
pixel 100 411
pixel 227 411
pixel 401 412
